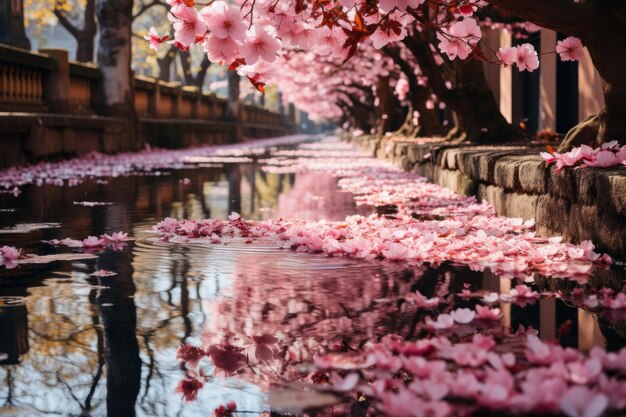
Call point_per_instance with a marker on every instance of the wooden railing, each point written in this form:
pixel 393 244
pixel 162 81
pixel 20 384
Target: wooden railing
pixel 22 77
pixel 49 83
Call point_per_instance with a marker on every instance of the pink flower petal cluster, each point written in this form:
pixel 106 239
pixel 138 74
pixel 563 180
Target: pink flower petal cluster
pixel 552 380
pixel 459 39
pixel 98 166
pixel 9 256
pixel 188 25
pixel 524 56
pixel 155 39
pixel 570 49
pixel 115 241
pixel 607 155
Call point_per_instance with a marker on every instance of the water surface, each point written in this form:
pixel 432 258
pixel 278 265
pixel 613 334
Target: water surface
pixel 80 345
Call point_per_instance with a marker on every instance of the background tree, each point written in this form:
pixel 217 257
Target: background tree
pixel 76 16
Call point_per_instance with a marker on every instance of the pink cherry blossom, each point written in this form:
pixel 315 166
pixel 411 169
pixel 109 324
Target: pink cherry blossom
pixel 582 402
pixel 444 321
pixel 463 315
pixel 189 387
pixel 224 21
pixel 421 301
pixel 259 44
pixel 486 313
pixel 221 50
pixel 9 256
pixel 570 49
pixel 155 39
pixel 607 158
pixel 188 25
pixel 190 355
pixel 103 273
pixel 116 237
pixel 92 242
pixel 264 347
pixel 508 55
pixel 526 58
pixel 453 47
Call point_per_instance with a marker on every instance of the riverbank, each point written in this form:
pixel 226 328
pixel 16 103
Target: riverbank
pixel 577 204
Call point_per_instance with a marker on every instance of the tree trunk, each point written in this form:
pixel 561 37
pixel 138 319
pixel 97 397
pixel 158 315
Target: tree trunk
pixel 233 106
pixel 84 50
pixel 607 47
pixel 418 95
pixel 85 36
pixel 478 115
pixel 388 106
pixel 114 54
pixel 165 63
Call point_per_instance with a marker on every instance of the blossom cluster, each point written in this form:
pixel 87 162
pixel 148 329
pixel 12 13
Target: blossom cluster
pixel 9 256
pixel 423 378
pixel 526 58
pixel 116 240
pixel 98 166
pixel 429 224
pixel 607 155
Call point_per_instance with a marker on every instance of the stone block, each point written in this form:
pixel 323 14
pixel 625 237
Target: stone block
pixel 454 180
pixel 611 191
pixel 585 182
pixel 582 222
pixel 551 215
pixel 611 236
pixel 493 194
pixel 562 184
pixel 403 162
pixel 519 205
pixel 69 141
pixel 425 169
pixel 413 153
pixel 400 149
pixel 506 173
pixel 450 158
pixel 533 176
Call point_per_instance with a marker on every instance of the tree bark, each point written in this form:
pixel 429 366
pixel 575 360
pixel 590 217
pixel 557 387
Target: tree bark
pixel 478 115
pixel 388 106
pixel 85 36
pixel 428 123
pixel 196 79
pixel 165 73
pixel 114 55
pixel 233 105
pixel 600 26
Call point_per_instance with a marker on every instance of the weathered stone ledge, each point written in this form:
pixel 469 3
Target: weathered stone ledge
pixel 578 204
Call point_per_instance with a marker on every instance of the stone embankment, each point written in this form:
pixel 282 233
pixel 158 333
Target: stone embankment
pixel 578 204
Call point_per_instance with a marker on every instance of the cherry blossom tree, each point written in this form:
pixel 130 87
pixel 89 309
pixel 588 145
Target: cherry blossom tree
pixel 444 38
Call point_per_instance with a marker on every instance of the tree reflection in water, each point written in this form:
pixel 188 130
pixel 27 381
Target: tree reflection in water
pixel 107 346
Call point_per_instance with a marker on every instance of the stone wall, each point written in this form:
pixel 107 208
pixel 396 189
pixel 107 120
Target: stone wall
pixel 578 204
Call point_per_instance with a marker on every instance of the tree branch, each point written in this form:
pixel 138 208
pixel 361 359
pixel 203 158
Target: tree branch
pixel 145 7
pixel 73 30
pixel 571 17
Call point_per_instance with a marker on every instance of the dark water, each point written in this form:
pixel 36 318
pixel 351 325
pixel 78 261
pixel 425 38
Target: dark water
pixel 87 346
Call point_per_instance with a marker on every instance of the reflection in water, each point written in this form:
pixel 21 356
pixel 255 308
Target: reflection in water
pixel 106 346
pixel 13 331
